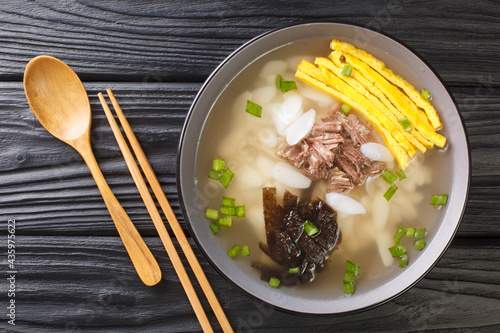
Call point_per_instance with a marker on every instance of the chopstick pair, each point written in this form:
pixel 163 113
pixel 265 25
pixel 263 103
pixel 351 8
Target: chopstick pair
pixel 157 220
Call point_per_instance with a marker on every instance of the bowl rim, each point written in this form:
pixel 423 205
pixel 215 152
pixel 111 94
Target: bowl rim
pixel 190 115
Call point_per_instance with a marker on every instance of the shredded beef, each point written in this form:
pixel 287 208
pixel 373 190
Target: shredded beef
pixel 339 182
pixel 331 152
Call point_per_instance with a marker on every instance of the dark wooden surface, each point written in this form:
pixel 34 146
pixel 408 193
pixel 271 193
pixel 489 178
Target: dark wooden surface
pixel 73 274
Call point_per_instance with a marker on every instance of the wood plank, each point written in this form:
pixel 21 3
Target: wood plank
pixel 82 284
pixel 177 41
pixel 46 186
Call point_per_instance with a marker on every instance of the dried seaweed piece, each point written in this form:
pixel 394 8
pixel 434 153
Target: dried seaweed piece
pixel 287 243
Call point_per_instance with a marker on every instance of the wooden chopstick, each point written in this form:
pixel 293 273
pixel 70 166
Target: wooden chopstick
pixel 158 222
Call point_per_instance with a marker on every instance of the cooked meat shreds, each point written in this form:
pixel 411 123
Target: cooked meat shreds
pixel 332 152
pixel 339 182
pixel 307 156
pixel 288 244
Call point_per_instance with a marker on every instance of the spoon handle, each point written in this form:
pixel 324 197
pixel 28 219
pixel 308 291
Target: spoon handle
pixel 143 260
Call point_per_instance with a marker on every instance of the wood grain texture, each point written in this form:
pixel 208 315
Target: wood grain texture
pixel 107 296
pixel 74 274
pixel 180 41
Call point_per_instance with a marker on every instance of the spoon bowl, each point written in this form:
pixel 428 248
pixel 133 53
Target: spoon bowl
pixel 59 100
pixel 55 90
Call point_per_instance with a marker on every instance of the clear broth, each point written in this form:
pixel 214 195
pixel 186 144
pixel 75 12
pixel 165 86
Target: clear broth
pixel 240 138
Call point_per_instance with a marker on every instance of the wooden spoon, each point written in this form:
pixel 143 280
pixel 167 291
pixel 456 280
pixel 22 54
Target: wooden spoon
pixel 60 102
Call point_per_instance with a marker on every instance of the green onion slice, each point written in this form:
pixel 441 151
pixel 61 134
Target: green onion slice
pixel 233 252
pixel 310 228
pixel 240 211
pixel 426 95
pixel 345 108
pixel 419 233
pixel 439 199
pixel 225 222
pixel 293 270
pixel 406 124
pixel 352 267
pixel 226 177
pixel 211 214
pixel 348 288
pixel 399 234
pixel 389 177
pixel 274 282
pixel 397 250
pixel 403 260
pixel 349 277
pixel 419 244
pixel 254 109
pixel 215 228
pixel 218 164
pixel 346 70
pixel 401 174
pixel 410 232
pixel 230 202
pixel 215 174
pixel 245 250
pixel 390 192
pixel 226 210
pixel 284 85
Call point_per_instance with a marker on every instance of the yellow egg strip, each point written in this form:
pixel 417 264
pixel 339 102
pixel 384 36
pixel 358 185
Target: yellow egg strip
pixel 312 75
pixel 415 116
pixel 335 82
pixel 410 140
pixel 379 66
pixel 419 141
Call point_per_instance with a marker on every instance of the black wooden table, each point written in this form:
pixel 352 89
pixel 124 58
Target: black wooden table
pixel 72 273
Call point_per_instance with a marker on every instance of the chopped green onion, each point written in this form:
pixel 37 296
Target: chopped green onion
pixel 405 123
pixel 284 85
pixel 226 177
pixel 439 199
pixel 211 214
pixel 345 108
pixel 240 211
pixel 218 164
pixel 310 228
pixel 426 95
pixel 294 270
pixel 401 174
pixel 225 222
pixel 233 252
pixel 349 277
pixel 254 109
pixel 274 282
pixel 346 70
pixel 352 267
pixel 351 270
pixel 397 250
pixel 348 287
pixel 410 232
pixel 230 202
pixel 215 228
pixel 403 260
pixel 419 244
pixel 390 192
pixel 419 233
pixel 399 234
pixel 215 174
pixel 245 250
pixel 389 177
pixel 226 210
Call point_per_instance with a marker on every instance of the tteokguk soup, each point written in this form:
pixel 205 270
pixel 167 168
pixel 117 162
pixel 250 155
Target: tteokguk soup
pixel 315 170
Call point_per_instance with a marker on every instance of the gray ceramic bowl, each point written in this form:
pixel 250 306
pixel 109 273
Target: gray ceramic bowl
pixel 452 176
